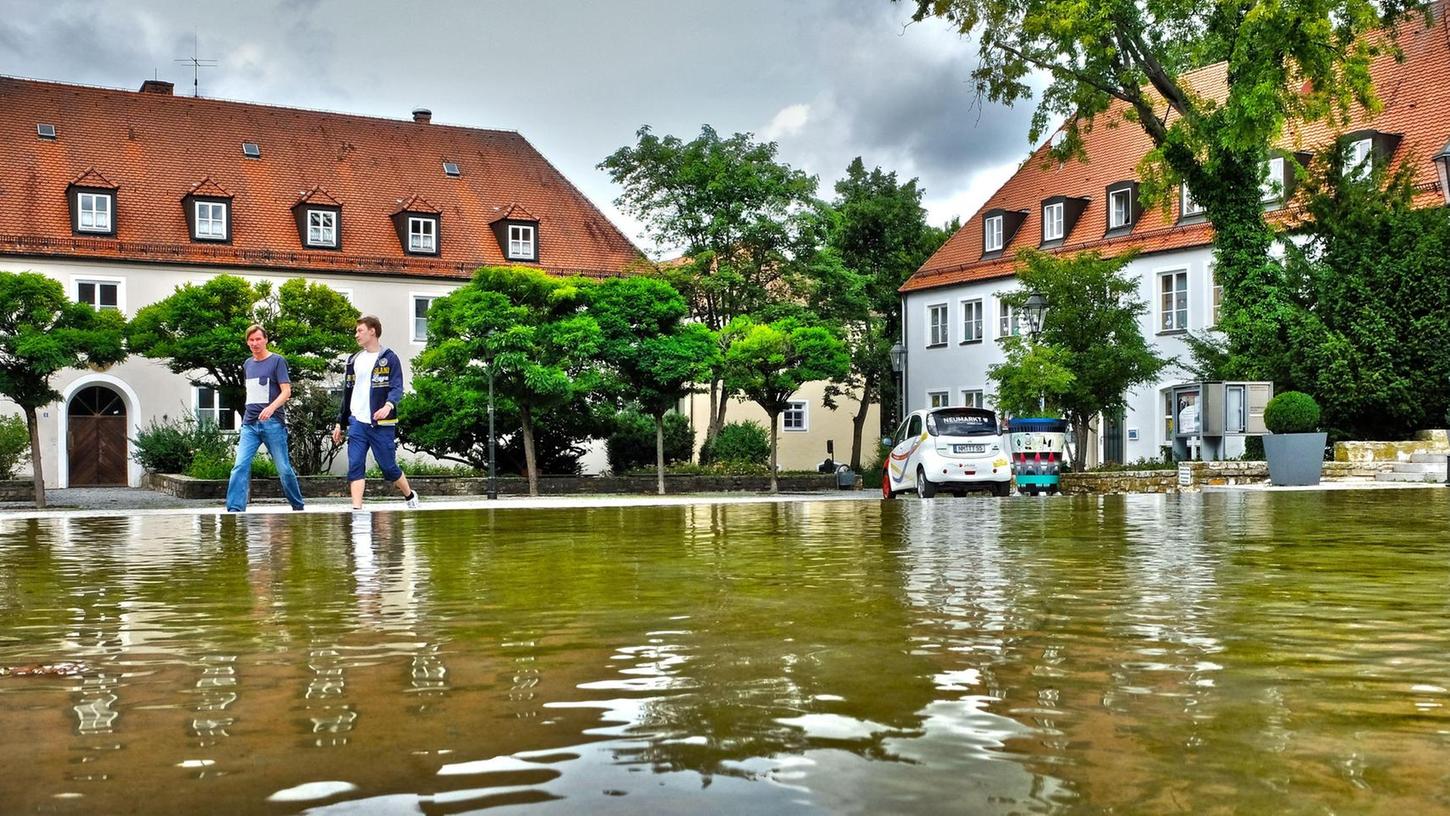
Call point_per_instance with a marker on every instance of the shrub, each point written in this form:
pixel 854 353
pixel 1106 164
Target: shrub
pixel 14 445
pixel 1141 464
pixel 746 442
pixel 632 444
pixel 210 464
pixel 419 468
pixel 263 467
pixel 173 445
pixel 1292 412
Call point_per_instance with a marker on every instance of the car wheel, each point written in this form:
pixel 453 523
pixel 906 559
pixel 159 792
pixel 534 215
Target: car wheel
pixel 1001 488
pixel 886 491
pixel 924 487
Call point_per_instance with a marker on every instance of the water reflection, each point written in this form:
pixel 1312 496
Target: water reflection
pixel 1240 652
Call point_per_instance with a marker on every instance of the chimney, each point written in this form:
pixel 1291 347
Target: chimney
pixel 157 86
pixel 422 116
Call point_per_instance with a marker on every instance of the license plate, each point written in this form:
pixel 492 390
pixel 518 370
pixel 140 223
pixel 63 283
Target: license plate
pixel 969 448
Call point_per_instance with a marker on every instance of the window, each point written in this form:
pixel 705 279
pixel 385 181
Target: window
pixel 992 230
pixel 212 407
pixel 251 150
pixel 421 305
pixel 794 418
pixel 99 294
pixel 1052 222
pixel 45 130
pixel 1006 321
pixel 972 321
pixel 936 318
pixel 1216 295
pixel 451 169
pixel 1234 415
pixel 1173 303
pixel 938 399
pixel 211 220
pixel 422 235
pixel 1272 187
pixel 93 212
pixel 321 228
pixel 1188 206
pixel 1360 160
pixel 972 398
pixel 1120 209
pixel 521 241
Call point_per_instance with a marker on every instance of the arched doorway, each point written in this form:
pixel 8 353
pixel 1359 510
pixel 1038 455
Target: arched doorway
pixel 96 437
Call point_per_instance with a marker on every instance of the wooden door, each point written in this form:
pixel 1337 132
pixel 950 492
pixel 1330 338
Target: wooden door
pixel 96 438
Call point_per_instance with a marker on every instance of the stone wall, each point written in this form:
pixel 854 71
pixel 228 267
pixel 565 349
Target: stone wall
pixel 186 487
pixel 17 490
pixel 1192 476
pixel 1437 441
pixel 1125 481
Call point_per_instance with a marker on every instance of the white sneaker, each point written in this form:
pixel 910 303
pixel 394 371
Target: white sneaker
pixel 412 501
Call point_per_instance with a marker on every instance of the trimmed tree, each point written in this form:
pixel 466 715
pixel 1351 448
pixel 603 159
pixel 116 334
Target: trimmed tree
pixel 768 362
pixel 526 328
pixel 653 354
pixel 43 332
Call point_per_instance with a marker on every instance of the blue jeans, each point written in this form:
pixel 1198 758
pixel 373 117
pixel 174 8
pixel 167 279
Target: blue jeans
pixel 382 440
pixel 272 433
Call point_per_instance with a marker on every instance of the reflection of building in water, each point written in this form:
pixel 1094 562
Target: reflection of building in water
pixel 216 691
pixel 331 716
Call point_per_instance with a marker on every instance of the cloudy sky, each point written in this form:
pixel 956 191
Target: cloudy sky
pixel 827 80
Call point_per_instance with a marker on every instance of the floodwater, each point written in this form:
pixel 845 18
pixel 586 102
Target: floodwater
pixel 1213 653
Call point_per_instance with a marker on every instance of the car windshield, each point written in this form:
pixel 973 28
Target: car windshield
pixel 961 423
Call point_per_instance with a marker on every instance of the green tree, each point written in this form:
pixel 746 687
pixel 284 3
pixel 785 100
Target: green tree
pixel 1032 379
pixel 880 236
pixel 654 355
pixel 42 332
pixel 198 330
pixel 1091 328
pixel 768 362
pixel 745 222
pixel 526 328
pixel 1294 59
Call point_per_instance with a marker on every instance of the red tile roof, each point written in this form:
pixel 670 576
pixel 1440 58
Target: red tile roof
pixel 90 178
pixel 515 212
pixel 318 196
pixel 208 188
pixel 1416 97
pixel 154 147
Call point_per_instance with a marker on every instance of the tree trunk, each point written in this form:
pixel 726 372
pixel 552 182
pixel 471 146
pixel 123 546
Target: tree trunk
pixel 1079 437
pixel 660 451
pixel 858 422
pixel 774 451
pixel 530 461
pixel 718 403
pixel 35 462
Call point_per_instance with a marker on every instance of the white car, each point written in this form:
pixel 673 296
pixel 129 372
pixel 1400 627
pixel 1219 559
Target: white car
pixel 953 449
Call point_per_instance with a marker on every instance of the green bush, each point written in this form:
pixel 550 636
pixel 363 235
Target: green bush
pixel 742 442
pixel 168 445
pixel 1141 464
pixel 632 444
pixel 419 468
pixel 1292 412
pixel 263 467
pixel 14 445
pixel 210 464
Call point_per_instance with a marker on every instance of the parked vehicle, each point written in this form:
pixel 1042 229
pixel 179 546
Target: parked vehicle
pixel 952 449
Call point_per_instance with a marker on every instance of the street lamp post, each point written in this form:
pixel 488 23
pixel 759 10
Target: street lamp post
pixel 898 365
pixel 492 439
pixel 1033 310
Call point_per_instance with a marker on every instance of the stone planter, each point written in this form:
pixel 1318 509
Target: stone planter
pixel 1294 459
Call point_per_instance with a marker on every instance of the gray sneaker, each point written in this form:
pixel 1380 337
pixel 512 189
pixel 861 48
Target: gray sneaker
pixel 412 501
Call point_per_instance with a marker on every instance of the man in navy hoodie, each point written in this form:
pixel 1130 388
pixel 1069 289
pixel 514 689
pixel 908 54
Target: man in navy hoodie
pixel 372 386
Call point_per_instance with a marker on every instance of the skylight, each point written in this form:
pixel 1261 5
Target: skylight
pixel 45 131
pixel 251 150
pixel 451 168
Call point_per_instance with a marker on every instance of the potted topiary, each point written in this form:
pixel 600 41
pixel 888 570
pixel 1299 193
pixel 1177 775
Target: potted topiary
pixel 1294 445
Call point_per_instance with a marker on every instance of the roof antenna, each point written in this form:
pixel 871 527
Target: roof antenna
pixel 196 65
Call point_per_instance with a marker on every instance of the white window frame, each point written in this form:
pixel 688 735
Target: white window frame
pixel 992 229
pixel 1127 220
pixel 1271 189
pixel 1052 222
pixel 796 417
pixel 206 214
pixel 413 299
pixel 326 232
pixel 119 283
pixel 1215 297
pixel 1008 324
pixel 82 199
pixel 416 234
pixel 972 327
pixel 1360 161
pixel 1173 314
pixel 1188 206
pixel 939 398
pixel 974 397
pixel 938 324
pixel 520 248
pixel 215 412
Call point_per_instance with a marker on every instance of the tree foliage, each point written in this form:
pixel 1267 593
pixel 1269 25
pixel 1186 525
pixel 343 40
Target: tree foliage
pixel 198 329
pixel 768 362
pixel 1283 59
pixel 43 332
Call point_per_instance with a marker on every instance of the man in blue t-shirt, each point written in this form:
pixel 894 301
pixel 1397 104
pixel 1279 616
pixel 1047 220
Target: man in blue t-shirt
pixel 263 422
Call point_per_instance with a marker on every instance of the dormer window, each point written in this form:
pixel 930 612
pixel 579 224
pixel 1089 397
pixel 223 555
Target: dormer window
pixel 1123 208
pixel 992 234
pixel 1366 150
pixel 1361 158
pixel 322 228
pixel 1052 222
pixel 1059 216
pixel 1188 207
pixel 521 242
pixel 1272 188
pixel 93 212
pixel 422 234
pixel 211 220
